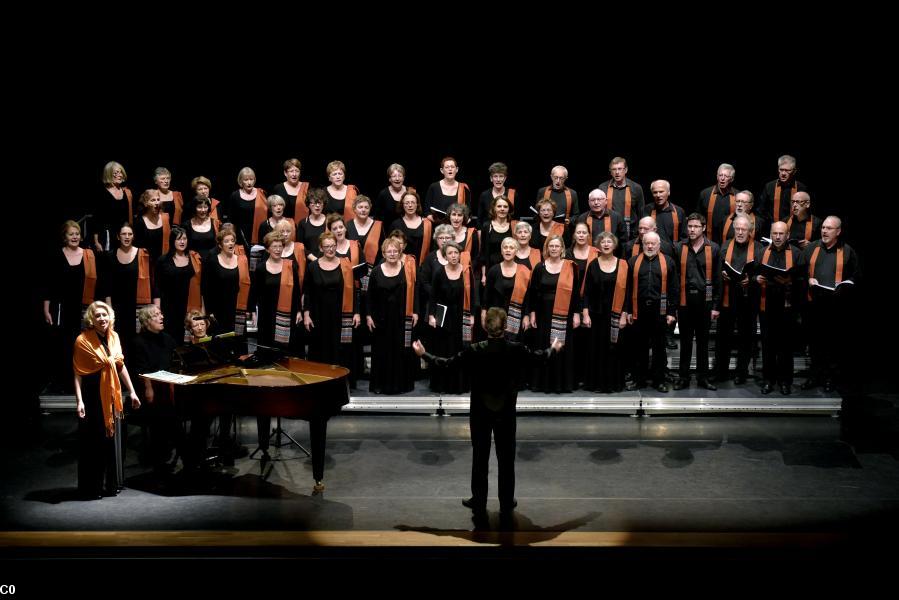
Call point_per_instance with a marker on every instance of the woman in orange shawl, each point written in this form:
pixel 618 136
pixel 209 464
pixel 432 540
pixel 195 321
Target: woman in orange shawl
pixel 99 372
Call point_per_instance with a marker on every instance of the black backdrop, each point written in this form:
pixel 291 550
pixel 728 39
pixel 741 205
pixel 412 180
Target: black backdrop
pixel 224 125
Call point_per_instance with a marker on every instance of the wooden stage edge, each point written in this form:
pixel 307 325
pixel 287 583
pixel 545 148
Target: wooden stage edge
pixel 428 538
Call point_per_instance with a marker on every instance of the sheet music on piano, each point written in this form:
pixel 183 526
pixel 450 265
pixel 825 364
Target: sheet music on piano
pixel 168 377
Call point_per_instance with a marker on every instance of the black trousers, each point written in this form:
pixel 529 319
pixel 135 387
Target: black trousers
pixel 649 333
pixel 827 333
pixel 694 319
pixel 741 314
pixel 501 425
pixel 777 344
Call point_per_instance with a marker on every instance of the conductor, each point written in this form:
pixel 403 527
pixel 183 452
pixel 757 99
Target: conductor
pixel 496 366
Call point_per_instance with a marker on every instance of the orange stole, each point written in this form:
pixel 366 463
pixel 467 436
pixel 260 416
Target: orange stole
pixel 299 255
pixel 516 302
pixel 663 304
pixel 89 261
pixel 776 212
pixel 90 357
pixel 351 193
pixel 427 227
pixel 510 194
pixel 178 201
pixel 194 299
pixel 283 312
pixel 260 214
pixel 618 299
pixel 711 211
pixel 467 317
pixel 214 211
pixel 765 257
pixel 675 221
pixel 568 201
pixel 166 232
pixel 610 193
pixel 411 270
pixel 143 277
pixel 838 276
pixel 371 243
pixel 592 254
pixel 300 210
pixel 750 256
pixel 607 224
pixel 807 234
pixel 683 273
pixel 562 301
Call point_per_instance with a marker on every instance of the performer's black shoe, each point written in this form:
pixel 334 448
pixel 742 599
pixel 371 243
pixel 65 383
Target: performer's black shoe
pixel 767 388
pixel 739 379
pixel 786 389
pixel 707 384
pixel 681 383
pixel 507 508
pixel 662 387
pixel 475 505
pixel 828 385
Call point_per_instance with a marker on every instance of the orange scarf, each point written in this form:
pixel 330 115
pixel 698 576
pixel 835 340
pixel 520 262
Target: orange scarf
pixel 284 312
pixel 838 276
pixel 568 201
pixel 346 302
pixel 711 211
pixel 519 290
pixel 166 232
pixel 410 269
pixel 260 214
pixel 808 228
pixel 618 299
pixel 143 277
pixel 178 201
pixel 427 226
pixel 675 236
pixel 592 254
pixel 90 277
pixel 90 357
pixel 194 299
pixel 351 193
pixel 300 210
pixel 562 301
pixel 776 212
pixel 685 249
pixel 372 247
pixel 610 193
pixel 789 258
pixel 750 256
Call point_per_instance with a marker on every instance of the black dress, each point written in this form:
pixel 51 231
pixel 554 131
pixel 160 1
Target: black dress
pixel 605 373
pixel 414 237
pixel 64 288
pixel 447 340
pixel 100 469
pixel 148 239
pixel 386 209
pixel 393 366
pixel 202 242
pixel 581 335
pixel 266 290
pixel 308 234
pixel 498 291
pixel 323 300
pixel 122 288
pixel 240 213
pixel 290 200
pixel 173 285
pixel 557 374
pixel 109 215
pixel 491 245
pixel 220 287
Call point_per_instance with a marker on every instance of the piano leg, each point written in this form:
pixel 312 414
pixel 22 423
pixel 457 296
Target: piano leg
pixel 318 432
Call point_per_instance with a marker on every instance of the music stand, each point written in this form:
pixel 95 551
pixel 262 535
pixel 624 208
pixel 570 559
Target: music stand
pixel 278 431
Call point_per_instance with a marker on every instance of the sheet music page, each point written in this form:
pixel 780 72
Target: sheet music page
pixel 169 377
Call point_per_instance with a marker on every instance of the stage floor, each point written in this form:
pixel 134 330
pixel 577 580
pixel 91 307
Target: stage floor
pixel 711 482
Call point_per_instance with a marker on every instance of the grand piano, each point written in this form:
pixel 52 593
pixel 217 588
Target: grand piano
pixel 262 384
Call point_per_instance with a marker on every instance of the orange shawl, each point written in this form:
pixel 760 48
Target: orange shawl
pixel 90 357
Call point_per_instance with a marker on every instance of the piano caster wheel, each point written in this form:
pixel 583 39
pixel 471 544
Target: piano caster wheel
pixel 318 488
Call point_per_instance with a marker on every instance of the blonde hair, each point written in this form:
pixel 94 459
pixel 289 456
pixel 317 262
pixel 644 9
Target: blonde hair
pixel 89 314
